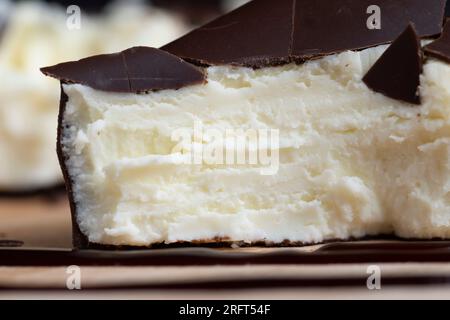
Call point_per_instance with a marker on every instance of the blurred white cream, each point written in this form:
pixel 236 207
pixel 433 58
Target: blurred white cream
pixel 36 35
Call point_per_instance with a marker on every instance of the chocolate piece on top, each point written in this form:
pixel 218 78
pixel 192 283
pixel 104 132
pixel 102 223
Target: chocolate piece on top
pixel 440 48
pixel 272 32
pixel 326 27
pixel 397 73
pixel 256 34
pixel 136 70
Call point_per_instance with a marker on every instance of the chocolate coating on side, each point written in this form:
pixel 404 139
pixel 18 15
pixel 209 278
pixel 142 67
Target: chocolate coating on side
pixel 440 48
pixel 79 240
pixel 397 73
pixel 135 70
pixel 273 32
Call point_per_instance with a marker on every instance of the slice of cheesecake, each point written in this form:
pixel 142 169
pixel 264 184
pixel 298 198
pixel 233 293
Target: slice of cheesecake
pixel 282 125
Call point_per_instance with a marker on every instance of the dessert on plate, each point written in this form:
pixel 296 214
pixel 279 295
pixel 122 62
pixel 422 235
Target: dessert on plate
pixel 283 122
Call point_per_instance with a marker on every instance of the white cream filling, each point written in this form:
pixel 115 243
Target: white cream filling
pixel 352 162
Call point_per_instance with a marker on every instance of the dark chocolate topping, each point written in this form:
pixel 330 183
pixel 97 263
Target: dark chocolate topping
pixel 255 34
pixel 397 73
pixel 342 25
pixel 137 69
pixel 440 48
pixel 272 32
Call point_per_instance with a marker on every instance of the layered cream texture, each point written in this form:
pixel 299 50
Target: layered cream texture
pixel 352 162
pixel 36 35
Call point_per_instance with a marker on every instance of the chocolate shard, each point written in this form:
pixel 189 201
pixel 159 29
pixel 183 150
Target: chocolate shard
pixel 440 48
pixel 135 70
pixel 272 32
pixel 397 73
pixel 255 34
pixel 325 27
pixel 103 72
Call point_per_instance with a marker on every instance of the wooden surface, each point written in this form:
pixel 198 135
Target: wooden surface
pixel 45 223
pixel 412 293
pixel 201 276
pixel 38 221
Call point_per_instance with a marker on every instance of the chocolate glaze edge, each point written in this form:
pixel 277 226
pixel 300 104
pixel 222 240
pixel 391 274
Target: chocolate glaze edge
pixel 223 243
pixel 79 240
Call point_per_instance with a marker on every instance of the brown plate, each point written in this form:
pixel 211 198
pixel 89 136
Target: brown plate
pixel 35 251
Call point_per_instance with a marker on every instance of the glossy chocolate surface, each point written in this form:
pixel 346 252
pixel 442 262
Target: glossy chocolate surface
pixel 397 73
pixel 273 32
pixel 139 69
pixel 440 48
